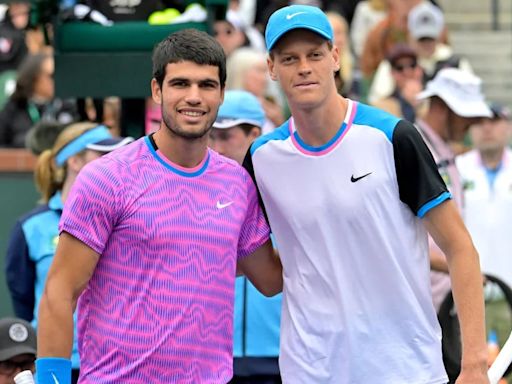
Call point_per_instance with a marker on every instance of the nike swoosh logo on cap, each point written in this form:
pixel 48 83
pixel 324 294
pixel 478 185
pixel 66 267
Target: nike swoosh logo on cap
pixel 292 15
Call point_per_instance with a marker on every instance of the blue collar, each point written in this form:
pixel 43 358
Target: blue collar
pixel 55 202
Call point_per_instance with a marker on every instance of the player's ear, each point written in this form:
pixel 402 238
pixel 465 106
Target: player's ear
pixel 156 91
pixel 336 58
pixel 270 64
pixel 254 133
pixel 222 93
pixel 75 163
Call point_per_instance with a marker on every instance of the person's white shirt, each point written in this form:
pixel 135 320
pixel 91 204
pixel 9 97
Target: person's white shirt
pixel 488 212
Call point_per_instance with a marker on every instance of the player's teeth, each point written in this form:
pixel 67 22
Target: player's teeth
pixel 192 113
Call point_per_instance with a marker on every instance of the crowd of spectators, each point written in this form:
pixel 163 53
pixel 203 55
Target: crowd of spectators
pixel 389 49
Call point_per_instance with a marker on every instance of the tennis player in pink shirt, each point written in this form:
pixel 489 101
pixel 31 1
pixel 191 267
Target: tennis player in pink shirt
pixel 151 239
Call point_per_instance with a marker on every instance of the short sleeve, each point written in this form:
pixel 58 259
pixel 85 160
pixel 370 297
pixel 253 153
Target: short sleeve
pixel 420 185
pixel 92 207
pixel 255 230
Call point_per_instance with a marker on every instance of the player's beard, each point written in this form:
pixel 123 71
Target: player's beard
pixel 180 132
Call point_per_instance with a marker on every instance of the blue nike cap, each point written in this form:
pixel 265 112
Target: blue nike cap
pixel 294 17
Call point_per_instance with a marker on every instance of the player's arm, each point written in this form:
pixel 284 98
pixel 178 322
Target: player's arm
pixel 437 260
pixel 448 231
pixel 71 269
pixel 419 180
pixel 263 268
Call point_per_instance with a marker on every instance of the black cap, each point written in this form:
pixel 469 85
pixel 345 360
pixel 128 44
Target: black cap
pixel 17 337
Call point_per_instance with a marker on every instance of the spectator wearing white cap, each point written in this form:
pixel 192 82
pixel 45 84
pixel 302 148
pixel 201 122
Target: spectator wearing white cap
pixel 426 32
pixel 455 102
pixel 257 318
pixel 18 348
pixel 34 238
pixel 426 25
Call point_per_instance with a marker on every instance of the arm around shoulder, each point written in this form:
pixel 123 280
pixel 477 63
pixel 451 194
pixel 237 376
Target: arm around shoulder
pixel 263 268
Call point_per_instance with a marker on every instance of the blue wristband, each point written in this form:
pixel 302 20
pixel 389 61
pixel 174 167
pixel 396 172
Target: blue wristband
pixel 53 370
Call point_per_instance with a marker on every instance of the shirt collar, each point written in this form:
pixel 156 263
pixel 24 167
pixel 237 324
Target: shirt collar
pixel 55 202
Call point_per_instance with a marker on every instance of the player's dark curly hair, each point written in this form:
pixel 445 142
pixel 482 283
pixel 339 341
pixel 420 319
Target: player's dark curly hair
pixel 188 45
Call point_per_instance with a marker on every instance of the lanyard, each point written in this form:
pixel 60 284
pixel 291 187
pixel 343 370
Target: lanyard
pixel 33 112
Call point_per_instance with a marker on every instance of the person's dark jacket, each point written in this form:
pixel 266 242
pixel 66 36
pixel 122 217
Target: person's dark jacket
pixel 15 121
pixel 19 115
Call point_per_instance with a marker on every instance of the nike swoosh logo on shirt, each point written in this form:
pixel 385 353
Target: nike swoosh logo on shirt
pixel 223 205
pixel 292 15
pixel 354 179
pixel 55 379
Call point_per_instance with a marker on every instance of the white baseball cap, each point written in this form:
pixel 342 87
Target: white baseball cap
pixel 460 90
pixel 425 20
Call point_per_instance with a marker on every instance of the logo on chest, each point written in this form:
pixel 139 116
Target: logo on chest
pixel 355 179
pixel 222 205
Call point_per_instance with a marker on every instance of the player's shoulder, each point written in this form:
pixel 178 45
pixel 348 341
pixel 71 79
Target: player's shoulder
pixel 226 165
pixel 221 160
pixel 120 162
pixel 375 118
pixel 129 153
pixel 281 133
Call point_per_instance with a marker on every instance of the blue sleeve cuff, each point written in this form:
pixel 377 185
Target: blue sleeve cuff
pixel 433 203
pixel 53 370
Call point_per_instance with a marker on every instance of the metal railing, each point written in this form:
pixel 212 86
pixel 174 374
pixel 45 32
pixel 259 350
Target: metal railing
pixel 495 10
pixel 495 15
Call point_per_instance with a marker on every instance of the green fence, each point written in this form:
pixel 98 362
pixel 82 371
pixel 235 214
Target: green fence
pixel 19 195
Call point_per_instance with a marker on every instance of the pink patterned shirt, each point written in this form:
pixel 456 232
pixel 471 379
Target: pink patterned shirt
pixel 159 306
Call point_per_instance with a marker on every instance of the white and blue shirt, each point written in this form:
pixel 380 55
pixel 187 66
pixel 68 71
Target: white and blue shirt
pixel 357 304
pixel 487 211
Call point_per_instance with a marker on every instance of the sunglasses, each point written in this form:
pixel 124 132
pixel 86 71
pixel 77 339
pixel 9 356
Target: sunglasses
pixel 402 67
pixel 8 367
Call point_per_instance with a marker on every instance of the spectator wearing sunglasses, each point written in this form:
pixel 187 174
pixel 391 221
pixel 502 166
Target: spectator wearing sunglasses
pixel 426 28
pixel 17 348
pixel 407 76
